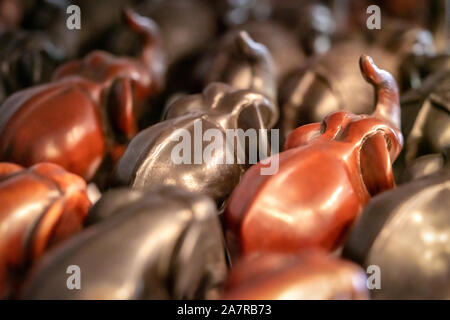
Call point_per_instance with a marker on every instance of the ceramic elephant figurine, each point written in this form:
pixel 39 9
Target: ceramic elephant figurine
pixel 423 166
pixel 313 23
pixel 330 82
pixel 242 63
pixel 427 115
pixel 425 122
pixel 327 173
pixel 405 233
pixel 269 50
pixel 153 156
pixel 185 26
pixel 86 115
pixel 189 120
pixel 41 207
pixel 50 18
pixel 164 243
pixel 26 59
pixel 310 275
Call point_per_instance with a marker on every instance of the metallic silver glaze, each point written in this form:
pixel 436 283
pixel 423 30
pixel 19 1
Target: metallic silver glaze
pixel 430 132
pixel 422 166
pixel 244 63
pixel 147 159
pixel 406 232
pixel 143 244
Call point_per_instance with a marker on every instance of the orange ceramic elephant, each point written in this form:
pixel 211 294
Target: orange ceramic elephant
pixel 87 113
pixel 327 173
pixel 40 207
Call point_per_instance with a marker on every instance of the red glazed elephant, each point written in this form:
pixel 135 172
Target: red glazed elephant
pixel 40 207
pixel 311 275
pixel 327 173
pixel 87 114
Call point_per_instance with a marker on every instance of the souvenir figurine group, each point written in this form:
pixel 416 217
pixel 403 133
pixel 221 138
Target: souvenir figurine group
pixel 119 180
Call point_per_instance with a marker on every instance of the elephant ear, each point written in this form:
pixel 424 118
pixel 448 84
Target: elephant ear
pixel 252 110
pixel 375 164
pixel 378 137
pixel 120 109
pixel 255 115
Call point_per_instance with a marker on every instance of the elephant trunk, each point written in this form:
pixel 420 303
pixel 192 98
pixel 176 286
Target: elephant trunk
pixel 387 96
pixel 260 60
pixel 148 30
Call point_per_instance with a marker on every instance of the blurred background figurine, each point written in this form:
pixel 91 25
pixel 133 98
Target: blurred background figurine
pixel 426 119
pixel 26 59
pixel 86 115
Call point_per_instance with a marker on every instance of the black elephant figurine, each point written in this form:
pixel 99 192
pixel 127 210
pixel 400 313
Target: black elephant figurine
pixel 245 63
pixel 186 26
pixel 200 121
pixel 51 16
pixel 405 232
pixel 27 58
pixel 164 243
pixel 430 108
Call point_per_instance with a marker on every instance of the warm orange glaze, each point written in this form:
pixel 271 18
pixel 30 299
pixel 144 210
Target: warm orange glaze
pixel 40 207
pixel 305 276
pixel 327 173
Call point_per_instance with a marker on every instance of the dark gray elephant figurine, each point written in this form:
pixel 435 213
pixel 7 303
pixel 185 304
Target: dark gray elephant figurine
pixel 406 232
pixel 139 244
pixel 245 62
pixel 150 157
pixel 429 106
pixel 27 58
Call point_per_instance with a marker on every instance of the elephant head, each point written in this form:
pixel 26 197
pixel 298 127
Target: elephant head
pixel 139 244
